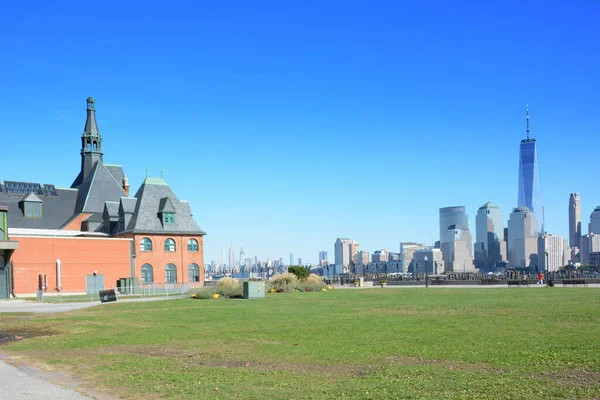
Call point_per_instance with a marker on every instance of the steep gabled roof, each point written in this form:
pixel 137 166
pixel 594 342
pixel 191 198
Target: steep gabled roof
pixel 151 196
pixel 127 205
pixel 166 205
pixel 99 186
pixel 32 197
pixel 111 209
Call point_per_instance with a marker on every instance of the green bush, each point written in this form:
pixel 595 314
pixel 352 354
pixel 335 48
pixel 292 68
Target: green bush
pixel 203 292
pixel 287 282
pixel 300 272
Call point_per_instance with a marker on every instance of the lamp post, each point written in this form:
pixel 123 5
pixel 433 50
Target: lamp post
pixel 426 283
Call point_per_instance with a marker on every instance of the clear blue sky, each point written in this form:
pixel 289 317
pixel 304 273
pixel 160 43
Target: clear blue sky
pixel 287 124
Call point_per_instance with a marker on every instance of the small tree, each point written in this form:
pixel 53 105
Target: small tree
pixel 300 272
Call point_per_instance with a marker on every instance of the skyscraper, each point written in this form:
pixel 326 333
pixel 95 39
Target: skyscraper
pixel 574 220
pixel 322 258
pixel 594 226
pixel 354 246
pixel 342 255
pixel 231 258
pixel 291 258
pixel 530 191
pixel 490 247
pixel 455 239
pixel 523 238
pixel 242 255
pixel 558 252
pixel 299 260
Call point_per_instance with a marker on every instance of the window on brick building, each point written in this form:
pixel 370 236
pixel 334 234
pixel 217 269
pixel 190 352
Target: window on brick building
pixel 194 273
pixel 192 245
pixel 170 245
pixel 171 273
pixel 145 244
pixel 147 273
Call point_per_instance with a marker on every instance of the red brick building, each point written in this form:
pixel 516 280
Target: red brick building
pixel 95 229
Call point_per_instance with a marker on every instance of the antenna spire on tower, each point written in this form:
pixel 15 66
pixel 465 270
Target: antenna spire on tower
pixel 527 109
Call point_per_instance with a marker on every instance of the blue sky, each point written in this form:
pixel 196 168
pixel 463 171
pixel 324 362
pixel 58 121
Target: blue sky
pixel 287 124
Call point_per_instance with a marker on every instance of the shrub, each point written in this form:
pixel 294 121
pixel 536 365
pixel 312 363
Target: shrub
pixel 312 283
pixel 300 272
pixel 203 292
pixel 286 282
pixel 230 287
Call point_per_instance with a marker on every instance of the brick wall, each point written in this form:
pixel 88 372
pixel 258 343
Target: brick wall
pixel 79 257
pixel 158 258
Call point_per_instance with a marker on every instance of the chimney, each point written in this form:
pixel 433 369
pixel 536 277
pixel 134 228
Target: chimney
pixel 126 185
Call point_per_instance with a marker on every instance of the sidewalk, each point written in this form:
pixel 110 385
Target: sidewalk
pixel 17 305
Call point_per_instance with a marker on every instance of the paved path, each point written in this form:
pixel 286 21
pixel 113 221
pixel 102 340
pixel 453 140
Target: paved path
pixel 18 384
pixel 16 305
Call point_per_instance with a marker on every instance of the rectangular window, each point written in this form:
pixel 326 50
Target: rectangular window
pixel 169 218
pixel 33 210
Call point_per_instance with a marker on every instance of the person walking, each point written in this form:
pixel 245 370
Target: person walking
pixel 540 278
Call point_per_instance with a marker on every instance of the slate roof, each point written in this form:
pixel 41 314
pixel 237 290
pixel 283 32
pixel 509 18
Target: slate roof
pixel 56 210
pixel 99 186
pixel 111 209
pixel 146 218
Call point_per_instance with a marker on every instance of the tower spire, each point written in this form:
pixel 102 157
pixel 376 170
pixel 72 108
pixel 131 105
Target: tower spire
pixel 527 109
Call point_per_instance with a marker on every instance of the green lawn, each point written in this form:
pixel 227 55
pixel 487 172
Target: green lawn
pixel 518 343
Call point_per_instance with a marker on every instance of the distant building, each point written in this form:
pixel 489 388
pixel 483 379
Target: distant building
pixel 530 191
pixel 407 250
pixel 362 257
pixel 231 258
pixel 342 256
pixel 590 243
pixel 523 237
pixel 558 252
pixel 380 256
pixel 434 264
pixel 459 256
pixel 354 247
pixel 574 220
pixel 300 261
pixel 490 247
pixel 322 258
pixel 594 226
pixel 455 238
pixel 242 256
pixel 291 259
pixel 393 257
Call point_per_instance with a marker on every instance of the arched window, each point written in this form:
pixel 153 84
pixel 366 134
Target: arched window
pixel 89 146
pixel 145 244
pixel 171 273
pixel 194 273
pixel 192 245
pixel 169 245
pixel 95 146
pixel 147 273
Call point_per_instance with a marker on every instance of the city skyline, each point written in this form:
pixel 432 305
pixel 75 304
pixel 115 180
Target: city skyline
pixel 234 103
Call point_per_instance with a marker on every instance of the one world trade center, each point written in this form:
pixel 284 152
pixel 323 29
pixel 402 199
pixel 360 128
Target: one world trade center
pixel 530 192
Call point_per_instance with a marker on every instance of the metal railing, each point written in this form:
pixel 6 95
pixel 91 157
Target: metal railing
pixel 128 292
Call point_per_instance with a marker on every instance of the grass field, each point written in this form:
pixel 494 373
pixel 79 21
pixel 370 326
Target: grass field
pixel 513 343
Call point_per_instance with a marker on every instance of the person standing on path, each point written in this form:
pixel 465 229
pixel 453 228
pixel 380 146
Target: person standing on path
pixel 540 278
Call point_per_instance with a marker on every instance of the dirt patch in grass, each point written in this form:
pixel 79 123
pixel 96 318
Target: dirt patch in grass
pixel 397 360
pixel 573 378
pixel 14 334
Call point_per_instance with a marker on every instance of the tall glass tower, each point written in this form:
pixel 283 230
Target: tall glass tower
pixel 530 192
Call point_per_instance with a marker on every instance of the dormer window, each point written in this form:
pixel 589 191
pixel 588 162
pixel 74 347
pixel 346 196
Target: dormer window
pixel 33 210
pixel 168 218
pixel 31 206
